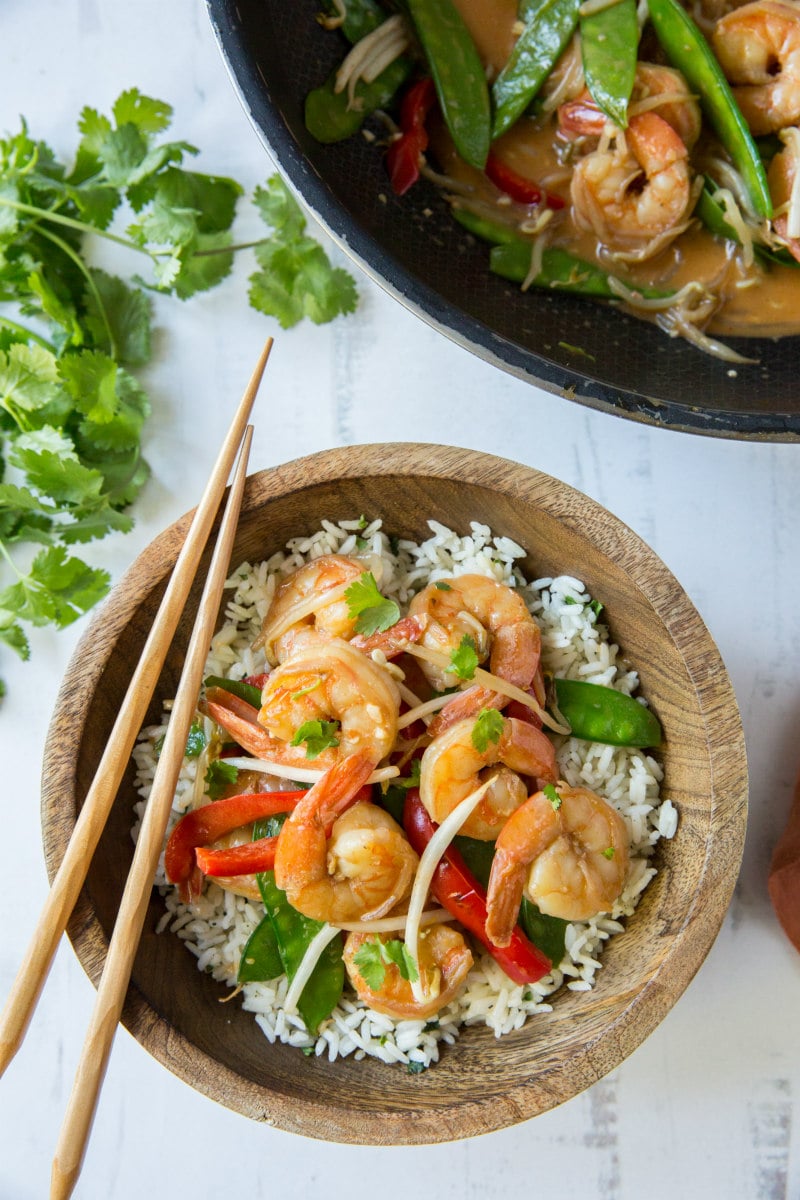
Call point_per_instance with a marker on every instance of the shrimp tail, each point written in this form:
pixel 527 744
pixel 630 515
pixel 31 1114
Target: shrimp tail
pixel 393 641
pixel 529 751
pixel 465 704
pixel 240 720
pixel 506 884
pixel 335 792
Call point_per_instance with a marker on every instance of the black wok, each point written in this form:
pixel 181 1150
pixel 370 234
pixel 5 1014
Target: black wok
pixel 276 52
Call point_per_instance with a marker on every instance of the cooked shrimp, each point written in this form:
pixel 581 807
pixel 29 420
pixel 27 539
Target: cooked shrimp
pixel 327 681
pixel 331 681
pixel 444 961
pixel 497 620
pixel 311 598
pixel 362 871
pixel 758 47
pixel 569 855
pixel 634 191
pixel 452 767
pixel 659 89
pixel 784 186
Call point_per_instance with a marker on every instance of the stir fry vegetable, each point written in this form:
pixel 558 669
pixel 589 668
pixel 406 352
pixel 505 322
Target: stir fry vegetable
pixel 462 895
pixel 601 714
pixel 612 174
pixel 293 936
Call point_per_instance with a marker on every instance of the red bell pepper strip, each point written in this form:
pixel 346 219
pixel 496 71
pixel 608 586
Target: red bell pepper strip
pixel 457 890
pixel 403 156
pixel 523 190
pixel 249 859
pixel 206 824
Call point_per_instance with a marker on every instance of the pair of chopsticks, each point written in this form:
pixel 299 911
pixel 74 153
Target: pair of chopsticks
pixel 69 879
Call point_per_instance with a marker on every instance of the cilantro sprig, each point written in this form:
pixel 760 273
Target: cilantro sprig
pixel 71 411
pixel 219 776
pixel 317 735
pixel 373 612
pixel 549 790
pixel 464 659
pixel 488 728
pixel 375 955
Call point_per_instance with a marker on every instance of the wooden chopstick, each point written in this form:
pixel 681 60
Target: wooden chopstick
pixel 27 986
pixel 133 906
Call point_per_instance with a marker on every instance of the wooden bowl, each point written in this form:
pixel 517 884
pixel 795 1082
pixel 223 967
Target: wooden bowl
pixel 481 1083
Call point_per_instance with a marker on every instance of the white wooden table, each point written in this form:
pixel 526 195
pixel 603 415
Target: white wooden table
pixel 709 1106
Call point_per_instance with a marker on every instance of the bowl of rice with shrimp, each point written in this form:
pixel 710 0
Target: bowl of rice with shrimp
pixel 447 845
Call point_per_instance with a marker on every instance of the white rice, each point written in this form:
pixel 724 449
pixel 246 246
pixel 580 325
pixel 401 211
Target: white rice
pixel 575 644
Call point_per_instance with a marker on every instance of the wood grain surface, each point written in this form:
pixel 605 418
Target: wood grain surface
pixel 480 1084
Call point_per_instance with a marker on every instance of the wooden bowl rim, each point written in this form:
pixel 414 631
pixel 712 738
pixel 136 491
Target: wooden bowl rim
pixel 728 770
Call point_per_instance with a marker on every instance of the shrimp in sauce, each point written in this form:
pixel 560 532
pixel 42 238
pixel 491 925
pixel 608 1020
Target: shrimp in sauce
pixel 634 191
pixel 758 47
pixel 311 599
pixel 331 681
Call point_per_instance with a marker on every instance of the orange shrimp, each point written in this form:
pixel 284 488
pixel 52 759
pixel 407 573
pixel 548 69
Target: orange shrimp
pixel 311 599
pixel 568 854
pixel 758 47
pixel 634 191
pixel 659 89
pixel 452 766
pixel 443 959
pixel 342 866
pixel 783 182
pixel 500 626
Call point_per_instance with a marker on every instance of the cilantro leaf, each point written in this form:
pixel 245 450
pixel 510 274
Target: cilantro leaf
pixel 552 795
pixel 317 735
pixel 117 318
pixel 371 967
pixel 219 776
pixel 58 589
pixel 375 955
pixel 71 416
pixel 488 728
pixel 373 611
pixel 296 279
pixel 410 780
pixel 464 659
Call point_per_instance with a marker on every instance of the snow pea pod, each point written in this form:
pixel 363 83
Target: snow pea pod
pixel 331 117
pixel 458 76
pixel 510 258
pixel 609 46
pixel 601 714
pixel 548 28
pixel 360 18
pixel 237 687
pixel 713 217
pixel 294 934
pixel 687 49
pixel 560 271
pixel 261 959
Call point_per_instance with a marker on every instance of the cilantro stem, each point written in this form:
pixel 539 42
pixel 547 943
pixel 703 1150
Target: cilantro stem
pixel 82 226
pixel 9 560
pixel 28 333
pixel 90 283
pixel 211 250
